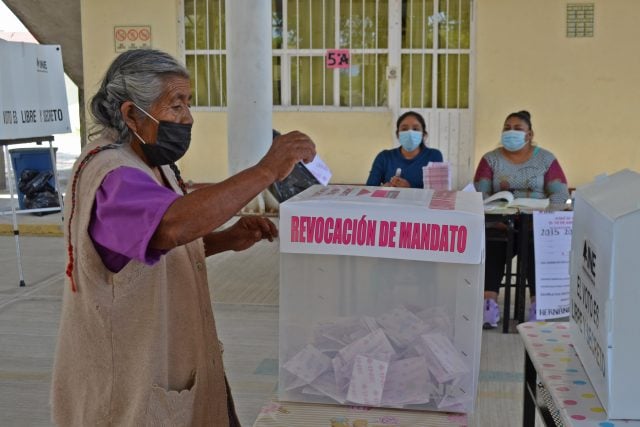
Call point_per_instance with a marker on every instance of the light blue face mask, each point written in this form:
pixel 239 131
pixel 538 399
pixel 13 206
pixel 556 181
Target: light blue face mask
pixel 410 139
pixel 513 140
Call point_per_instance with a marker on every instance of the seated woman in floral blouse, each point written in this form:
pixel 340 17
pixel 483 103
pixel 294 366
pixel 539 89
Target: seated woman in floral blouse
pixel 527 171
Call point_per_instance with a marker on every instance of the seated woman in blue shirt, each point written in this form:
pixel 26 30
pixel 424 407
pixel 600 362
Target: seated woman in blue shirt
pixel 402 166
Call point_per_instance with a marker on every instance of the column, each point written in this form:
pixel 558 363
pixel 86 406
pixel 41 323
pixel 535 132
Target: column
pixel 249 85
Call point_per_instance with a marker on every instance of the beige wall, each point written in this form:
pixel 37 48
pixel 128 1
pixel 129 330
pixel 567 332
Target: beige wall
pixel 348 142
pixel 98 20
pixel 582 93
pixel 338 136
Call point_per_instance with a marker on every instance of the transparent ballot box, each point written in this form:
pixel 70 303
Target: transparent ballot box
pixel 381 297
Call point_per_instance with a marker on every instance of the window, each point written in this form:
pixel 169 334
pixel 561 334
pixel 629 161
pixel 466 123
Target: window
pixel 432 55
pixel 205 51
pixel 436 39
pixel 313 26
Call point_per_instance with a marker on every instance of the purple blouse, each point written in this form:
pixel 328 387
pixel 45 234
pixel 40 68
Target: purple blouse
pixel 128 208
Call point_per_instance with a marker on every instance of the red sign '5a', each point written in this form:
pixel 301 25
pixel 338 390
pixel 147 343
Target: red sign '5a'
pixel 337 58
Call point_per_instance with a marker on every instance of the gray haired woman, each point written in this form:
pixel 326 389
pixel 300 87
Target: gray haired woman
pixel 137 342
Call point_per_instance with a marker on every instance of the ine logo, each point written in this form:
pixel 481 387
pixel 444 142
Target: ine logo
pixel 589 260
pixel 41 66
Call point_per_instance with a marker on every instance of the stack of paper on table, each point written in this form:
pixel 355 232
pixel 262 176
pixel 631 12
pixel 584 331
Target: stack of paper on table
pixel 437 176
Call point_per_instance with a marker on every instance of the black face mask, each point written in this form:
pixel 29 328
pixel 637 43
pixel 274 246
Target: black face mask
pixel 172 142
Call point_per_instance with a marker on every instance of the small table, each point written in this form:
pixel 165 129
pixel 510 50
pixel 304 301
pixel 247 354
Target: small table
pixel 555 381
pixel 294 414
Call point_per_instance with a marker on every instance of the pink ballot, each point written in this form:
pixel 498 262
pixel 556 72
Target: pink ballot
pixel 374 344
pixel 407 383
pixel 444 360
pixel 325 385
pixel 402 326
pixel 308 364
pixel 367 381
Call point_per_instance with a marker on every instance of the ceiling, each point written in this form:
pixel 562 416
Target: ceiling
pixel 55 22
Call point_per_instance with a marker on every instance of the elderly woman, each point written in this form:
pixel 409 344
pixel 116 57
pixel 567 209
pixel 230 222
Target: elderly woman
pixel 527 171
pixel 402 166
pixel 137 342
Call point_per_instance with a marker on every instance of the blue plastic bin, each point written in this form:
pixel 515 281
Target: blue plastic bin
pixel 30 158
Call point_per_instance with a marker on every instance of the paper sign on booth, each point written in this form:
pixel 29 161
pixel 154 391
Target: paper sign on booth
pixel 33 98
pixel 552 247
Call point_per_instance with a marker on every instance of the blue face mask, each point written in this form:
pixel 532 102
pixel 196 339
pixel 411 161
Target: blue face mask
pixel 513 140
pixel 410 139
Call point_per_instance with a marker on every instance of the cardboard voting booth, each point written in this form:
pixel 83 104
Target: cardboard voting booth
pixel 605 289
pixel 33 102
pixel 33 98
pixel 381 297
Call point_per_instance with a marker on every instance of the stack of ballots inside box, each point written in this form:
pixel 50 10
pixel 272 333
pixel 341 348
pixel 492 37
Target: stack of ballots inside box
pixel 400 358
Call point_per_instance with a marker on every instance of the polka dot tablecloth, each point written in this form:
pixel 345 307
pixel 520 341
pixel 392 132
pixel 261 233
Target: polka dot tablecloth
pixel 293 414
pixel 560 370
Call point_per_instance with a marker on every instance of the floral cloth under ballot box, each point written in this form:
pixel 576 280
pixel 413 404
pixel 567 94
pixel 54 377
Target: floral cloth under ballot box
pixel 381 297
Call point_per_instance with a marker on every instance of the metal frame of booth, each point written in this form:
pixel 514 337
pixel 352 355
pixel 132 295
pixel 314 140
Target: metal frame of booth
pixel 11 182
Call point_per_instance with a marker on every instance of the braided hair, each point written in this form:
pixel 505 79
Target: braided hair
pixel 137 75
pixel 74 184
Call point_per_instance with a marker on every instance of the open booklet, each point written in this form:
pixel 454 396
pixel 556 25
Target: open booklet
pixel 505 199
